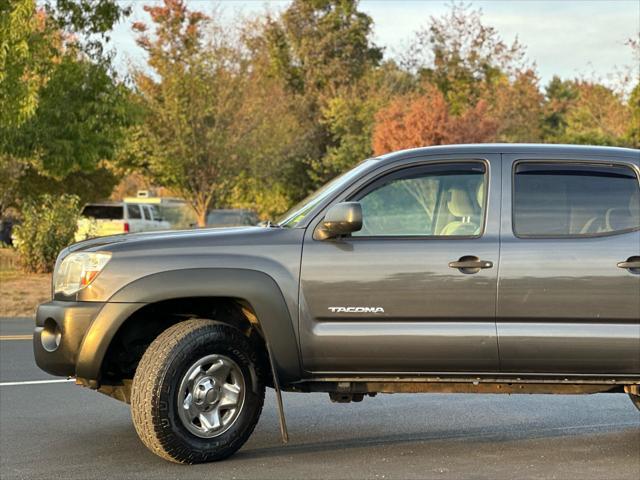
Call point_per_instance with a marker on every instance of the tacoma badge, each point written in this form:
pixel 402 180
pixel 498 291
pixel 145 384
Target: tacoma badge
pixel 356 309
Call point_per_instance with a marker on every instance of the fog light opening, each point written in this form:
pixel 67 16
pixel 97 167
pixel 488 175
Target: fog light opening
pixel 51 335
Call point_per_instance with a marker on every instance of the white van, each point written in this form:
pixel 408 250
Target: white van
pixel 110 218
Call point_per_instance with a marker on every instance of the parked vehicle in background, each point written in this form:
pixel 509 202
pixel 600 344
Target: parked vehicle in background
pixel 6 230
pixel 453 269
pixel 175 211
pixel 101 219
pixel 232 217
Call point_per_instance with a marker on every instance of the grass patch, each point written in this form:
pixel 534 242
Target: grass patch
pixel 20 293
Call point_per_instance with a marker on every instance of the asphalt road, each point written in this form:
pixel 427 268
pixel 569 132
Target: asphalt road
pixel 59 430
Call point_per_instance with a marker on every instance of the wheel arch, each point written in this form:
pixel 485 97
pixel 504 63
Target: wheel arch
pixel 254 289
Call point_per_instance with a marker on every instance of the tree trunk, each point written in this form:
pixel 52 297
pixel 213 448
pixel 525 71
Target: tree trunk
pixel 202 218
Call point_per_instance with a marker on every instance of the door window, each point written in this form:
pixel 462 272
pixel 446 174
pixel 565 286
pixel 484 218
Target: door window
pixel 155 211
pixel 574 200
pixel 443 200
pixel 134 211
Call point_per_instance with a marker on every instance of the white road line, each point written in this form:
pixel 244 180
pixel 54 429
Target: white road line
pixel 36 382
pixel 16 337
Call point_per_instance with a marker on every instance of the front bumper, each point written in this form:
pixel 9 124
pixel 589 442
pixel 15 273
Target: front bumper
pixel 60 330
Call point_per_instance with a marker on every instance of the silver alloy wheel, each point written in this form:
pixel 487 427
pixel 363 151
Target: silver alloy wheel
pixel 211 396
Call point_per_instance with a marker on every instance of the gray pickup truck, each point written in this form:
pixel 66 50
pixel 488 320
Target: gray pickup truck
pixel 470 269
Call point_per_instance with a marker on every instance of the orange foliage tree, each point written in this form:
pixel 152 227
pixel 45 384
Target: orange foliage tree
pixel 425 119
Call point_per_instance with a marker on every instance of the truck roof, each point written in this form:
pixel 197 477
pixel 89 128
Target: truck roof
pixel 513 148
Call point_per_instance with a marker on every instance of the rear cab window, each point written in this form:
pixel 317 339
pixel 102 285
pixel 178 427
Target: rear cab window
pixel 572 199
pixel 103 212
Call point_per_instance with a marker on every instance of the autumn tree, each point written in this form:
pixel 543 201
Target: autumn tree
pixel 633 133
pixel 462 56
pixel 517 108
pixel 587 112
pixel 215 130
pixel 469 63
pixel 418 120
pixel 598 116
pixel 190 100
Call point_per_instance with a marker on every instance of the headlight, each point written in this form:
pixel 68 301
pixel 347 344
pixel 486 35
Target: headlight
pixel 78 270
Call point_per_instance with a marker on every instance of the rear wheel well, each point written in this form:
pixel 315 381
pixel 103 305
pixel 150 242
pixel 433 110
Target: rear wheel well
pixel 136 334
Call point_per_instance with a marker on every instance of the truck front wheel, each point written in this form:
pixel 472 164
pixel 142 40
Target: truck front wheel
pixel 197 393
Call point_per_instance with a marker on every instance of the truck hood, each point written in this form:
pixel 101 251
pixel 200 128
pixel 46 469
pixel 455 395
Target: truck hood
pixel 164 237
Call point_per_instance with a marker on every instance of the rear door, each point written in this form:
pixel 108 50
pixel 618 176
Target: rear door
pixel 569 287
pixel 150 221
pixel 135 217
pixel 392 298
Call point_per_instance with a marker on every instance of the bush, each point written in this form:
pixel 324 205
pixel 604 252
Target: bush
pixel 48 226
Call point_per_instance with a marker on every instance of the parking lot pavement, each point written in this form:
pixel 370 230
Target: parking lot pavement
pixel 60 430
pixel 15 346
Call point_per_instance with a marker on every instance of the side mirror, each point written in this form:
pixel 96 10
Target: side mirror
pixel 341 219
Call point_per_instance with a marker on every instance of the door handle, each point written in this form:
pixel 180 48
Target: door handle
pixel 470 264
pixel 632 263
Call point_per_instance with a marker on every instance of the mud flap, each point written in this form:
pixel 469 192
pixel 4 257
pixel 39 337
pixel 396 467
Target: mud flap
pixel 276 386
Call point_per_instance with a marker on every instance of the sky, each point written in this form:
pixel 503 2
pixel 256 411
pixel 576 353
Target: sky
pixel 569 38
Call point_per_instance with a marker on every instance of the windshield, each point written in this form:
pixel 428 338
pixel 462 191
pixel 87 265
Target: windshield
pixel 233 218
pixel 300 211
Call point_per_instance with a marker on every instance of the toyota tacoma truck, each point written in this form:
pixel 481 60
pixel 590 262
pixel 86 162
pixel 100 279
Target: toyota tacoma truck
pixel 464 269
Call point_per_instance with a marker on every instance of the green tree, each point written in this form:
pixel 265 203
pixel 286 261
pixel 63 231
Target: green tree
pixel 76 127
pixel 322 50
pixel 27 48
pixel 31 43
pixel 60 105
pixel 559 95
pixel 350 118
pixel 209 114
pixel 320 46
pixel 633 133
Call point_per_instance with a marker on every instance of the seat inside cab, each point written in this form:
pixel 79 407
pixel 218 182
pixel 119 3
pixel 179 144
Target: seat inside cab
pixel 466 209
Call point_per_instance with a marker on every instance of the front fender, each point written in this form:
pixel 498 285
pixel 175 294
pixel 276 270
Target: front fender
pixel 257 288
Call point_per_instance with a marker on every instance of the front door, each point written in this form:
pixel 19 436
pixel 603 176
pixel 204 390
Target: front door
pixel 415 289
pixel 569 291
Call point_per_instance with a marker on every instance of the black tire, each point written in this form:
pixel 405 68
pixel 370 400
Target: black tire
pixel 635 399
pixel 156 385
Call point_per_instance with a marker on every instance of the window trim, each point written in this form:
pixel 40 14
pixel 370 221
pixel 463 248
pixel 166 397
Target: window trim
pixel 371 185
pixel 583 163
